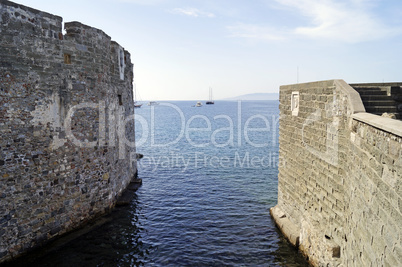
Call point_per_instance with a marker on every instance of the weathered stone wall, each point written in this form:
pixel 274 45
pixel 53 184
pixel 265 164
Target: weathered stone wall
pixel 66 123
pixel 374 186
pixel 339 195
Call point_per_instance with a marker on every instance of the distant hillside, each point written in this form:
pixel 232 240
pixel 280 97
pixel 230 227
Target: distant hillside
pixel 256 96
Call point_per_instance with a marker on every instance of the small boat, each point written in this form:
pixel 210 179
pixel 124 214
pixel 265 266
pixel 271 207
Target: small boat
pixel 210 101
pixel 198 104
pixel 135 98
pixel 153 103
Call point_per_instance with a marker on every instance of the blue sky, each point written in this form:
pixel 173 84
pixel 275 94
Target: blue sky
pixel 180 48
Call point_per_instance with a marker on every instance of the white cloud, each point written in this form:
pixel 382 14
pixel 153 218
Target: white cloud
pixel 192 12
pixel 349 21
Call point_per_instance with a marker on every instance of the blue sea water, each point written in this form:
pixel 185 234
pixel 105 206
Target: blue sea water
pixel 209 178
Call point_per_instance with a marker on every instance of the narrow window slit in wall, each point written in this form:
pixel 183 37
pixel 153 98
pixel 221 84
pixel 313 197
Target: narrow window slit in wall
pixel 67 58
pixel 121 60
pixel 120 100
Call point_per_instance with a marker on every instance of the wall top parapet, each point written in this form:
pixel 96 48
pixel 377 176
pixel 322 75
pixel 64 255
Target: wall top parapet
pixel 354 99
pixel 45 25
pixel 30 9
pixel 76 27
pixel 309 85
pixel 355 102
pixel 386 124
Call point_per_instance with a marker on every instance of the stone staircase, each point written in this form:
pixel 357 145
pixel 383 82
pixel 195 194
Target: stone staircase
pixel 381 99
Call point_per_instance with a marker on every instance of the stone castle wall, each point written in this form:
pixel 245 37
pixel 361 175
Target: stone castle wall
pixel 66 124
pixel 340 177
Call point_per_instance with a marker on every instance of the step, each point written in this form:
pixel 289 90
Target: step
pixel 372 92
pixel 390 103
pixel 361 89
pixel 375 97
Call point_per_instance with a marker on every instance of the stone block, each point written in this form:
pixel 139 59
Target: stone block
pixel 394 148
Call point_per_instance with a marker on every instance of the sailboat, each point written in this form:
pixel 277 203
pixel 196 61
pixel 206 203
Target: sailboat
pixel 210 101
pixel 135 98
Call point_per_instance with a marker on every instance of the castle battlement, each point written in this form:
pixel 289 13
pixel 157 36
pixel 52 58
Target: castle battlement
pixel 66 125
